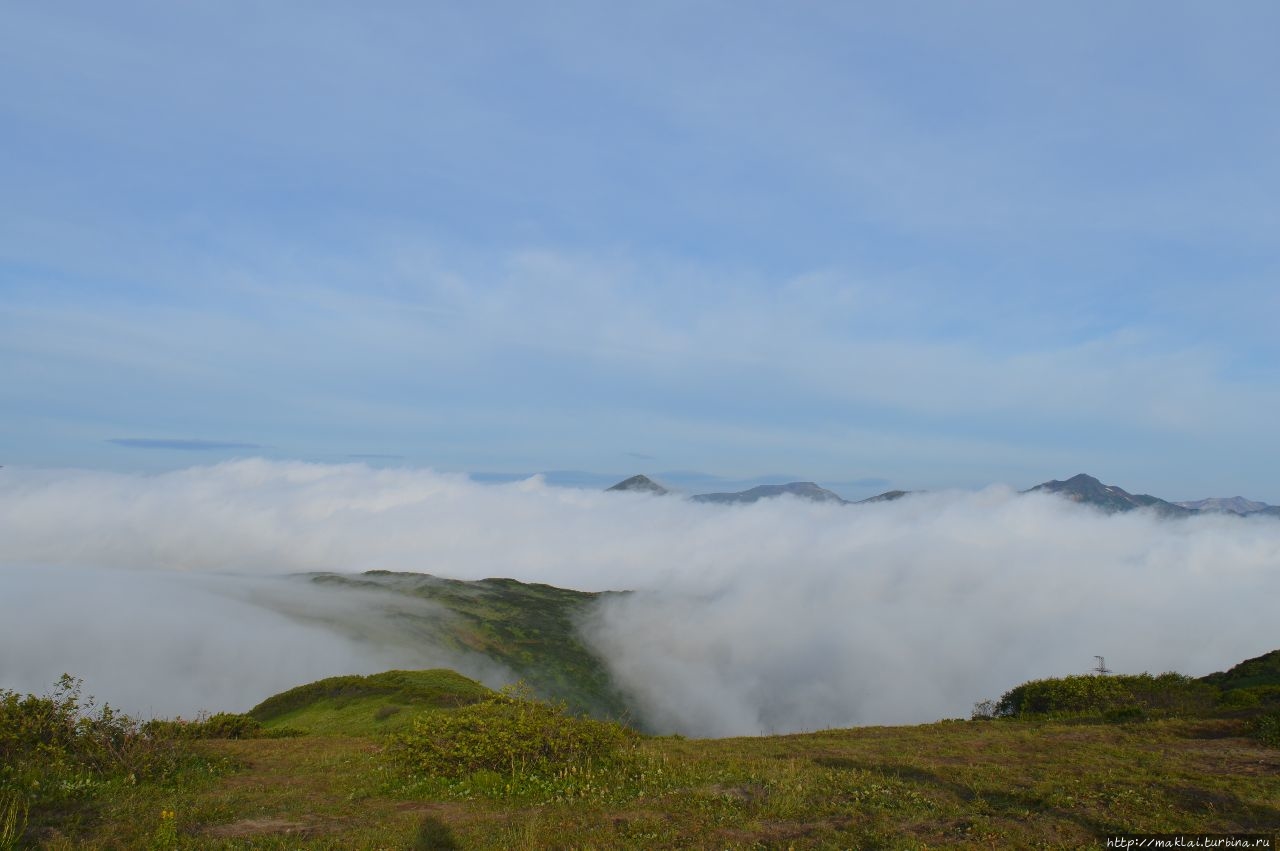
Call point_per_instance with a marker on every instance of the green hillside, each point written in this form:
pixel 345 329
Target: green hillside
pixel 530 629
pixel 1262 670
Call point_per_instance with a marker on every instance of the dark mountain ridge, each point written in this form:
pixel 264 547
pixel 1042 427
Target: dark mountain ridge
pixel 887 496
pixel 1085 488
pixel 1081 488
pixel 1230 505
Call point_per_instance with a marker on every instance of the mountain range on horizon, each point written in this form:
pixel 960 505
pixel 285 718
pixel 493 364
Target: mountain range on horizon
pixel 1081 488
pixel 683 481
pixel 1231 505
pixel 803 490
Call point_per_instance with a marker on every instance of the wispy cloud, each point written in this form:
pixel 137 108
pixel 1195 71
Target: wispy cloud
pixel 189 444
pixel 994 227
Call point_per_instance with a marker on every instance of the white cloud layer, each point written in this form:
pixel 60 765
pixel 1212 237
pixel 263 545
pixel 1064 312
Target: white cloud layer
pixel 779 616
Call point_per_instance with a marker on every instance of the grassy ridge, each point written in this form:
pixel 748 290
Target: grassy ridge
pixel 530 628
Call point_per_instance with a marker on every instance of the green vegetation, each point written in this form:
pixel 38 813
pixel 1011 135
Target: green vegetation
pixel 223 725
pixel 1267 728
pixel 450 764
pixel 13 818
pixel 1262 670
pixel 1116 698
pixel 363 705
pixel 528 628
pixel 62 759
pixel 507 734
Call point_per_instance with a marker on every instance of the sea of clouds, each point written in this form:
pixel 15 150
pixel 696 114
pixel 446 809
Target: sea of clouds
pixel 170 593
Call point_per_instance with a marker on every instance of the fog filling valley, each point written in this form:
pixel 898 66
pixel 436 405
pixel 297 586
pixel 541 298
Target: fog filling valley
pixel 169 594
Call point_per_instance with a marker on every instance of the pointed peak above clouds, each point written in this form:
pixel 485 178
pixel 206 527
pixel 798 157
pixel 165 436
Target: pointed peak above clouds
pixel 640 483
pixel 1110 498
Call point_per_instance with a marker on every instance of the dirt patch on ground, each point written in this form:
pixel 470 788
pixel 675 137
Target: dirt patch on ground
pixel 444 809
pixel 260 826
pixel 772 833
pixel 746 793
pixel 1244 757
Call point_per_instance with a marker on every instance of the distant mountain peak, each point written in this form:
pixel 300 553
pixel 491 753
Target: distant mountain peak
pixel 1110 498
pixel 804 490
pixel 640 483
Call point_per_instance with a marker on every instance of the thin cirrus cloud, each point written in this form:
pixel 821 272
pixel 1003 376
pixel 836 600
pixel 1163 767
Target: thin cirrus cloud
pixel 187 444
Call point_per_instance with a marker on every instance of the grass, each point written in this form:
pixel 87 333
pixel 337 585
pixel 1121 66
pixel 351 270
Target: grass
pixel 962 784
pixel 1026 782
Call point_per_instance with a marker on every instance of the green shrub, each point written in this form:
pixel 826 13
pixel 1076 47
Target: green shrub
pixel 33 725
pixel 1240 699
pixel 282 733
pixel 223 725
pixel 506 734
pixel 229 725
pixel 1087 693
pixel 59 745
pixel 1266 728
pixel 985 710
pixel 1268 695
pixel 1124 715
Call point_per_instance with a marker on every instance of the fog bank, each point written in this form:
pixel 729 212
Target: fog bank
pixel 164 644
pixel 773 617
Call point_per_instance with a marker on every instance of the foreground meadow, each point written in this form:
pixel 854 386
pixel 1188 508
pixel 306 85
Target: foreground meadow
pixel 1004 783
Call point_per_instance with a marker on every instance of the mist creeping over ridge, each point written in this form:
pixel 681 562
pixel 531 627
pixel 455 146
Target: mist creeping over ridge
pixel 166 592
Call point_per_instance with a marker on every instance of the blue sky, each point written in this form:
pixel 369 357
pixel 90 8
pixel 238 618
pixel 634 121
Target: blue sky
pixel 929 244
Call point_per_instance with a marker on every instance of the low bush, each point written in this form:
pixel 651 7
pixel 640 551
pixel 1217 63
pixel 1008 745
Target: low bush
pixel 223 725
pixel 1239 699
pixel 61 735
pixel 507 734
pixel 1090 694
pixel 1266 728
pixel 61 747
pixel 1124 715
pixel 1267 695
